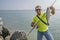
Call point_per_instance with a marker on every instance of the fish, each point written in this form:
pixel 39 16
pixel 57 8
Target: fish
pixel 48 11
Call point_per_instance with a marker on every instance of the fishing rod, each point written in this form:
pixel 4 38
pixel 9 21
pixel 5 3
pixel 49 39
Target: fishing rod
pixel 30 31
pixel 53 3
pixel 32 28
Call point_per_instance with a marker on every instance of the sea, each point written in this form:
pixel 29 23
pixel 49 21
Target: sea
pixel 21 20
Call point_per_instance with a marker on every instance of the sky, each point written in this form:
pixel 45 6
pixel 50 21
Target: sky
pixel 27 4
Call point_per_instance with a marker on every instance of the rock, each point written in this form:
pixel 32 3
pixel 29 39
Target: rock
pixel 19 35
pixel 1 38
pixel 7 37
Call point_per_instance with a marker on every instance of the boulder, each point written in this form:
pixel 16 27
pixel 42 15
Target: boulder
pixel 7 37
pixel 1 38
pixel 19 35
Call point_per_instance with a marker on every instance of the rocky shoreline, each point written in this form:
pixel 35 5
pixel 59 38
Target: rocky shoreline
pixel 17 35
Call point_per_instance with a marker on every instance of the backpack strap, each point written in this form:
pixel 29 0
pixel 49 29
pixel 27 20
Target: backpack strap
pixel 41 20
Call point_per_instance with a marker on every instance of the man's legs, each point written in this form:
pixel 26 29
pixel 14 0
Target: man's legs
pixel 39 35
pixel 48 35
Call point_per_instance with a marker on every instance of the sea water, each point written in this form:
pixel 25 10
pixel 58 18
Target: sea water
pixel 21 20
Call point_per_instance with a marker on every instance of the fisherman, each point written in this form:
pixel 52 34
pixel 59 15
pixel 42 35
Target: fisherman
pixel 4 32
pixel 42 28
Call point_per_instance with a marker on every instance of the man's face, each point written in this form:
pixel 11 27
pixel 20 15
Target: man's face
pixel 38 10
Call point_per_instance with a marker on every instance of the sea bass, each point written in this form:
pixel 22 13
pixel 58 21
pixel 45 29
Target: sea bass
pixel 48 15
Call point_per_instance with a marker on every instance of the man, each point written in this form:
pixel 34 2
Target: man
pixel 42 29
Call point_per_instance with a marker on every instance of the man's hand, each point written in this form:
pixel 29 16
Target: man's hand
pixel 33 24
pixel 52 10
